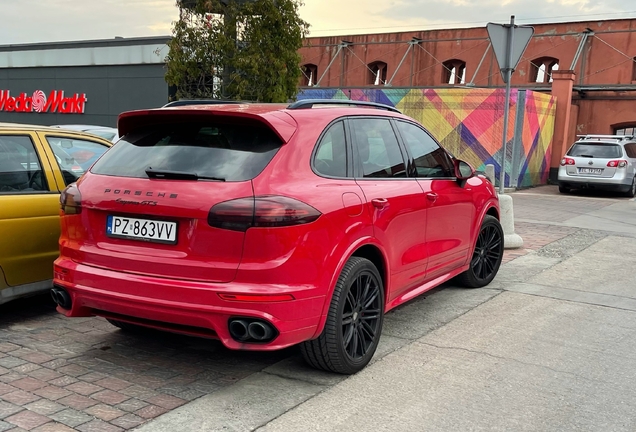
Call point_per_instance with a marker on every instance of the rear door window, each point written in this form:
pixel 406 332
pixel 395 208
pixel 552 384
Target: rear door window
pixel 630 149
pixel 599 151
pixel 223 150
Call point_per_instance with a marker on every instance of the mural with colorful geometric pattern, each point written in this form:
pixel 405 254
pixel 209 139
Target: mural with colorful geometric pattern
pixel 469 124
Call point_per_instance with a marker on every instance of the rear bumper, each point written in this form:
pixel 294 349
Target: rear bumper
pixel 617 183
pixel 610 187
pixel 186 307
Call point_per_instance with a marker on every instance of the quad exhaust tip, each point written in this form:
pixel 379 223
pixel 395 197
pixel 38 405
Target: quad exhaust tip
pixel 61 297
pixel 250 330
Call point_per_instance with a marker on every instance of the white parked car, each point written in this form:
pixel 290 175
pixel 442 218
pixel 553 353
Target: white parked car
pixel 105 132
pixel 604 162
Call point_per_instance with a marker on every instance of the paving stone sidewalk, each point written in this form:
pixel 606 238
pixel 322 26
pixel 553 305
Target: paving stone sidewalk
pixel 545 205
pixel 59 374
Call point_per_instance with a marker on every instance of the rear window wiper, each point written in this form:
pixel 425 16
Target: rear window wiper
pixel 587 156
pixel 178 175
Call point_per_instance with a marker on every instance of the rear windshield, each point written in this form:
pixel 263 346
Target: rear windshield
pixel 230 152
pixel 603 151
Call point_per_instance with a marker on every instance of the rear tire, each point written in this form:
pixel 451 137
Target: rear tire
pixel 631 193
pixel 354 322
pixel 487 255
pixel 564 189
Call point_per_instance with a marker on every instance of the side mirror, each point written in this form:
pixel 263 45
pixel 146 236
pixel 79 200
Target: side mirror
pixel 463 170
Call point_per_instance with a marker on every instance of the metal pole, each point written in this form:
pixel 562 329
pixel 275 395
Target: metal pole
pixel 335 56
pixel 400 65
pixel 509 45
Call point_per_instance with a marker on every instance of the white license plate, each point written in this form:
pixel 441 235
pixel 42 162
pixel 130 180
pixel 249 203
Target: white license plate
pixel 141 229
pixel 591 170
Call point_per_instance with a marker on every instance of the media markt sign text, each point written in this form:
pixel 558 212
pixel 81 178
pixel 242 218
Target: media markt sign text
pixel 38 102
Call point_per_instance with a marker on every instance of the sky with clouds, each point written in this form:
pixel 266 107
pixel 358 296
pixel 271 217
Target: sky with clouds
pixel 28 21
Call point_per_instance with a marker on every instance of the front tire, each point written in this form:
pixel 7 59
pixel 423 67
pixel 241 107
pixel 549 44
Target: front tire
pixel 487 255
pixel 354 322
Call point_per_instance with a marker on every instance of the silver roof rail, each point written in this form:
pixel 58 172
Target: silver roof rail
pixel 309 103
pixel 616 137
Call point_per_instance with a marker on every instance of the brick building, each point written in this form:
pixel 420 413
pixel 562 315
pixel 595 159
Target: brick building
pixel 589 66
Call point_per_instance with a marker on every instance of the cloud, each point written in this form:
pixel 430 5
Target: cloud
pixel 495 10
pixel 27 21
pixel 377 16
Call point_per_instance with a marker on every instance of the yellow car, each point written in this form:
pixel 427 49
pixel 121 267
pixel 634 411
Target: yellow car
pixel 36 164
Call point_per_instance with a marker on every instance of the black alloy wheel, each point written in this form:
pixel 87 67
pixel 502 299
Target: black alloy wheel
pixel 354 322
pixel 487 255
pixel 361 315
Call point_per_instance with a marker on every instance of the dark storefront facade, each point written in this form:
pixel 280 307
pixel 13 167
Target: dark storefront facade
pixel 89 82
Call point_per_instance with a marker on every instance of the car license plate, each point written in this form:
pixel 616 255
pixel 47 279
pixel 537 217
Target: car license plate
pixel 591 170
pixel 142 229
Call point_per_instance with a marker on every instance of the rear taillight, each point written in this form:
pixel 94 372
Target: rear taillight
pixel 567 161
pixel 261 212
pixel 617 164
pixel 71 200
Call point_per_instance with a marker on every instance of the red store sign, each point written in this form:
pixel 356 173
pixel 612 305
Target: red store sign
pixel 38 102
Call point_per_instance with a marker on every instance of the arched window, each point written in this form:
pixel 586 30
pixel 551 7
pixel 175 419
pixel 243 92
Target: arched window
pixel 310 74
pixel 541 69
pixel 454 72
pixel 377 73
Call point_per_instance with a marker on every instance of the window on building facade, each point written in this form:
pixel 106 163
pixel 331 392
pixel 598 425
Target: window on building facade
pixel 377 73
pixel 310 75
pixel 541 69
pixel 634 69
pixel 454 72
pixel 626 130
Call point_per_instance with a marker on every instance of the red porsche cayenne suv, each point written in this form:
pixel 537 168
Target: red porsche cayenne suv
pixel 266 225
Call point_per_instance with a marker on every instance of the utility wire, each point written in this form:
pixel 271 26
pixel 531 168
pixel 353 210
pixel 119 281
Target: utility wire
pixel 629 58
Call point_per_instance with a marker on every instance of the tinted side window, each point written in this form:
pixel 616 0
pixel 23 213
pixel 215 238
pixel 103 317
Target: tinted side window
pixel 20 169
pixel 74 156
pixel 331 154
pixel 230 149
pixel 630 149
pixel 430 159
pixel 378 149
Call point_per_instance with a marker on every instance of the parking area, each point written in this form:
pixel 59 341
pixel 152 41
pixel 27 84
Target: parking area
pixel 59 374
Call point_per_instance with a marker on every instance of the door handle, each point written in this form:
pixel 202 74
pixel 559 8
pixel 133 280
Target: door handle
pixel 380 202
pixel 431 196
